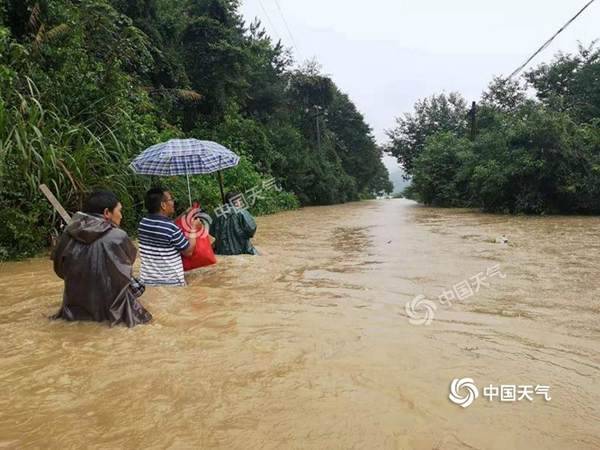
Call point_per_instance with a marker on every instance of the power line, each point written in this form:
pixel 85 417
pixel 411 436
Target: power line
pixel 269 20
pixel 549 41
pixel 288 28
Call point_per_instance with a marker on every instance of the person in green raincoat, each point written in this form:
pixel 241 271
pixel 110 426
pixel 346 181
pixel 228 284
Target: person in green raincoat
pixel 233 227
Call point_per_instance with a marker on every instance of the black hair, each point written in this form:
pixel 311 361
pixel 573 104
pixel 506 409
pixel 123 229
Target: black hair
pixel 98 201
pixel 154 197
pixel 230 196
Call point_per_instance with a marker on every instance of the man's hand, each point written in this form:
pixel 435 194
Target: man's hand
pixel 197 224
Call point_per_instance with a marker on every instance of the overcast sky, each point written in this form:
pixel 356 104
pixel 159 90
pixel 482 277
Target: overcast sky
pixel 386 54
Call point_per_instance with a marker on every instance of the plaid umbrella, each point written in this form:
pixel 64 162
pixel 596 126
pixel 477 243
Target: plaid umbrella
pixel 185 157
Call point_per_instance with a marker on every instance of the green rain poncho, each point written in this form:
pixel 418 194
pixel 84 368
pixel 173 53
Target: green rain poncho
pixel 233 232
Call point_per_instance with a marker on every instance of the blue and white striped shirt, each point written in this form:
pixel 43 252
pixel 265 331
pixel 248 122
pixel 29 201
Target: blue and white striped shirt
pixel 161 242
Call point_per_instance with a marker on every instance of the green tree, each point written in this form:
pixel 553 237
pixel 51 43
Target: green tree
pixel 435 114
pixel 355 144
pixel 571 83
pixel 504 95
pixel 440 176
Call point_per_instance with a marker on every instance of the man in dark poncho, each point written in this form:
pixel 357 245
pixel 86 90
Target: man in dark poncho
pixel 233 228
pixel 95 258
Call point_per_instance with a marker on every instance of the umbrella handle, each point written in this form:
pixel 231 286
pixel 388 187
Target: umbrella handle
pixel 187 175
pixel 220 177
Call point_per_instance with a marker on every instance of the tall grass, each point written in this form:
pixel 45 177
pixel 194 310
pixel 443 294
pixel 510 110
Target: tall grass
pixel 38 145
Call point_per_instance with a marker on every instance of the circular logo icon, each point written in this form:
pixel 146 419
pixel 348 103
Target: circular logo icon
pixel 420 311
pixel 197 221
pixel 463 392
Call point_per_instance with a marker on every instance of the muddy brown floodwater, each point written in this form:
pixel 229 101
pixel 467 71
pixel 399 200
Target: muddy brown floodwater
pixel 310 346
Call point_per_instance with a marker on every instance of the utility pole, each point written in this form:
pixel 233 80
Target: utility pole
pixel 318 114
pixel 473 120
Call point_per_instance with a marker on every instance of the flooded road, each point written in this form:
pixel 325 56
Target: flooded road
pixel 310 346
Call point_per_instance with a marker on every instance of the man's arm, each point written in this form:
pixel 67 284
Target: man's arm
pixel 186 246
pixel 192 237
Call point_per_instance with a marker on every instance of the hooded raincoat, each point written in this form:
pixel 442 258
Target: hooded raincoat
pixel 95 258
pixel 232 232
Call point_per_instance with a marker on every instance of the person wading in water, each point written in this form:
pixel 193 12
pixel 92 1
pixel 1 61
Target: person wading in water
pixel 95 259
pixel 233 228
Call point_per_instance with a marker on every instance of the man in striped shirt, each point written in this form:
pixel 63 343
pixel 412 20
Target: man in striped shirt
pixel 162 243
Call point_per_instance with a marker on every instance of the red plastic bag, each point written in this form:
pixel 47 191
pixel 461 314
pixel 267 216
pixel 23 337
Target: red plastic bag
pixel 203 253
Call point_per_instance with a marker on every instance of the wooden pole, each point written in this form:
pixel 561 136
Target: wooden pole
pixel 52 199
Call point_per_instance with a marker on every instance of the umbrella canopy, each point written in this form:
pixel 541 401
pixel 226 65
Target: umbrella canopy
pixel 185 157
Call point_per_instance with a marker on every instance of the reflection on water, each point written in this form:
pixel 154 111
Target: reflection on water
pixel 309 345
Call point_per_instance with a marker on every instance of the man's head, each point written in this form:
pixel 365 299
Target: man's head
pixel 106 204
pixel 160 201
pixel 234 198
